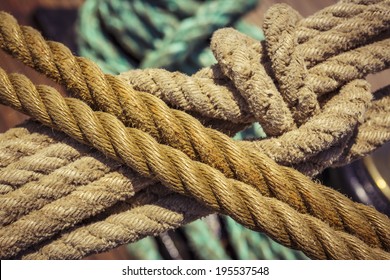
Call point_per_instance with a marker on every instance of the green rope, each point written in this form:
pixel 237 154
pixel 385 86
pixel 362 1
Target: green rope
pixel 120 35
pixel 238 240
pixel 96 45
pixel 203 242
pixel 250 245
pixel 144 249
pixel 255 131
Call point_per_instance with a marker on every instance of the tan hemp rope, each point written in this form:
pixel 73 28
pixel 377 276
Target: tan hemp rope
pixel 77 177
pixel 351 33
pixel 176 171
pixel 207 151
pixel 149 212
pixel 371 58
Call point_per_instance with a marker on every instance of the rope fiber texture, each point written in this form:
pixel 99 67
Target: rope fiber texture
pixel 232 177
pixel 150 211
pixel 169 35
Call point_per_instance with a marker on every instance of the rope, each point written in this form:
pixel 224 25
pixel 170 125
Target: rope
pixel 198 234
pixel 336 68
pixel 170 166
pixel 60 198
pixel 144 249
pixel 215 149
pixel 144 32
pixel 104 99
pixel 157 34
pixel 252 245
pixel 78 120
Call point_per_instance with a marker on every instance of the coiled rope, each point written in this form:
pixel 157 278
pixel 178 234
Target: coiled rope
pixel 260 178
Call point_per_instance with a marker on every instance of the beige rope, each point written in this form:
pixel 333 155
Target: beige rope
pixel 346 34
pixel 172 168
pixel 150 211
pixel 77 183
pixel 182 132
pixel 158 123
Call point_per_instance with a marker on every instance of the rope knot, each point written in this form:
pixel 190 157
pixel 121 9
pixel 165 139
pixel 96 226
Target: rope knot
pixel 295 84
pixel 281 26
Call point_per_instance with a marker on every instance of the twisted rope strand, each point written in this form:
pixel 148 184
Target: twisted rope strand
pixel 127 226
pixel 42 115
pixel 343 26
pixel 57 170
pixel 178 172
pixel 66 182
pixel 85 201
pixel 243 172
pixel 117 100
pixel 287 62
pixel 126 223
pixel 374 130
pixel 66 166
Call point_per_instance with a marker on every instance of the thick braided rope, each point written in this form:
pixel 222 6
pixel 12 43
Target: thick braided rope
pixel 33 177
pixel 120 227
pixel 218 157
pixel 214 157
pixel 54 171
pixel 64 183
pixel 147 12
pixel 152 213
pixel 310 153
pixel 156 34
pixel 179 173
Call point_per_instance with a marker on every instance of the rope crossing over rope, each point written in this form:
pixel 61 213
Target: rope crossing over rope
pixel 235 178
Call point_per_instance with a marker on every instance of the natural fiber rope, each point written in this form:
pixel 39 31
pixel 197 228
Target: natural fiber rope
pixel 141 152
pixel 276 19
pixel 117 227
pixel 156 34
pixel 138 26
pixel 251 245
pixel 31 134
pixel 100 98
pixel 79 183
pixel 122 223
pixel 211 147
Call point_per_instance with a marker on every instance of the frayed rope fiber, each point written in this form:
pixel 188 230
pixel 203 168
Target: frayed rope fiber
pixel 237 178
